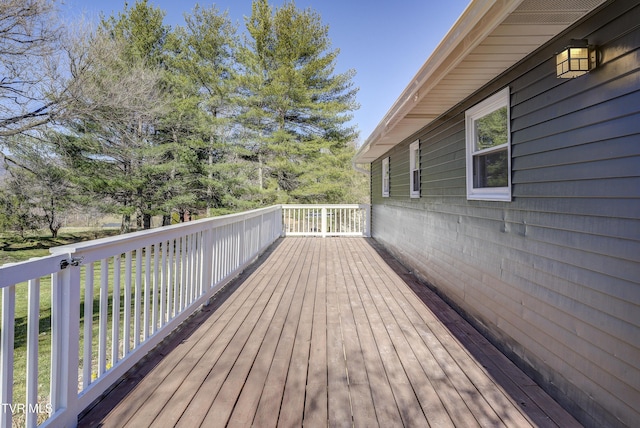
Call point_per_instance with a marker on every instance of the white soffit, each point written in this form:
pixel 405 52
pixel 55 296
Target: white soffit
pixel 488 38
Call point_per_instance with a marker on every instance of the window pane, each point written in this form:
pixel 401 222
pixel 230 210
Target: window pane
pixel 491 130
pixel 416 180
pixel 491 170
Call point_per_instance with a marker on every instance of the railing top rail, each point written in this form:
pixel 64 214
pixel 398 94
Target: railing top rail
pixel 145 237
pixel 325 205
pixel 13 273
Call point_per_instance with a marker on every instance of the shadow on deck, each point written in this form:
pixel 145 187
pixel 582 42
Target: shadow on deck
pixel 326 332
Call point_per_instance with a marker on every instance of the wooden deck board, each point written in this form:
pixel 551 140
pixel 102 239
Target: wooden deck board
pixel 244 411
pixel 316 405
pixel 327 332
pixel 197 395
pixel 409 322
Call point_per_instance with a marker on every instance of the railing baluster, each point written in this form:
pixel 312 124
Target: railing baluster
pixel 189 281
pixel 178 274
pixel 200 272
pixel 87 359
pixel 171 282
pixel 219 253
pixel 6 352
pixel 207 261
pixel 242 228
pixel 155 294
pixel 126 325
pixel 147 289
pixel 104 305
pixel 137 310
pixel 225 252
pixel 183 273
pixel 115 312
pixel 193 263
pixel 163 285
pixel 349 216
pixel 33 330
pixel 235 230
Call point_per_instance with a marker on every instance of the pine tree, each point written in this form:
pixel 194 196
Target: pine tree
pixel 202 66
pixel 294 106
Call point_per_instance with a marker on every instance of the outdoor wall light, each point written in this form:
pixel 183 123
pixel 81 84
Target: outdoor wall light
pixel 576 59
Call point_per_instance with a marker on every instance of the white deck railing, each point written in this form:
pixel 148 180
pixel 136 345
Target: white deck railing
pixel 326 220
pixel 112 300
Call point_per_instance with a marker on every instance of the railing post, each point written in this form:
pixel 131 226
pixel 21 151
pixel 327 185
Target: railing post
pixel 283 222
pixel 324 222
pixel 65 338
pixel 367 220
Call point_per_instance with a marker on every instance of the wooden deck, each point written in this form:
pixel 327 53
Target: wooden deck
pixel 326 332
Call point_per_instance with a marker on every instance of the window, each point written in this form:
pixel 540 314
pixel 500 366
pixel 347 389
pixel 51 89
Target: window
pixel 385 177
pixel 489 149
pixel 414 169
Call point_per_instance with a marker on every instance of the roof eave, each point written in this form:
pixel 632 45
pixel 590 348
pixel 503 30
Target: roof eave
pixel 480 23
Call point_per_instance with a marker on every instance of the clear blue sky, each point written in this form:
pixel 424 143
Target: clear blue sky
pixel 385 41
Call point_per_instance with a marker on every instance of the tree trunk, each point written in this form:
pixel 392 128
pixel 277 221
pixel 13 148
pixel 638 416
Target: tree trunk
pixel 146 219
pixel 125 226
pixel 166 220
pixel 210 176
pixel 260 171
pixel 53 227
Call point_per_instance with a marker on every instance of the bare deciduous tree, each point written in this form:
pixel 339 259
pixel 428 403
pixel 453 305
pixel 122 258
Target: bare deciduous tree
pixel 29 37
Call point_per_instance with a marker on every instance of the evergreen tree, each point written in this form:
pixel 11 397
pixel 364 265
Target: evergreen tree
pixel 294 106
pixel 202 63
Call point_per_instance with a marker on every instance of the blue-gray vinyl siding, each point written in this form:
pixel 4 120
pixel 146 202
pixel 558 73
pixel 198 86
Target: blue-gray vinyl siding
pixel 553 276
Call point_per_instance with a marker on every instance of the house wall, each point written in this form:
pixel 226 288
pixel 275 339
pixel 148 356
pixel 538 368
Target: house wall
pixel 552 277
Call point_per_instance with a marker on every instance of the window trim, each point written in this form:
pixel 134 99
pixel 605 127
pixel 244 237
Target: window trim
pixel 386 184
pixel 489 105
pixel 414 153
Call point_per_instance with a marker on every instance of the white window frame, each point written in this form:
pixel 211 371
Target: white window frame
pixel 386 178
pixel 414 169
pixel 491 104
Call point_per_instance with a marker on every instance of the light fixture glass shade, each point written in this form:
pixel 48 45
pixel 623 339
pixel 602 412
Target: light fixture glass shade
pixel 575 60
